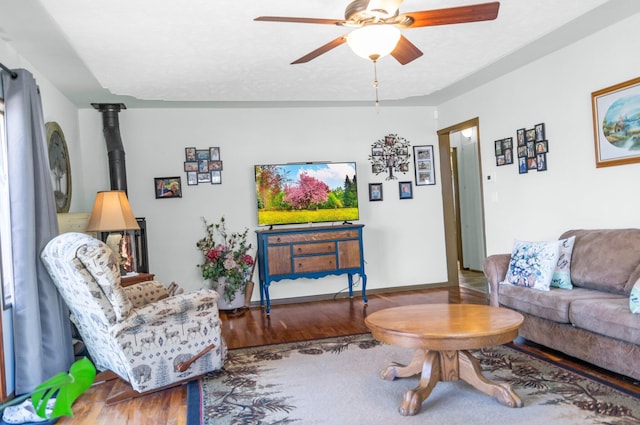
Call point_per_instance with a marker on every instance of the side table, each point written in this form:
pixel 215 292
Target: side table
pixel 132 280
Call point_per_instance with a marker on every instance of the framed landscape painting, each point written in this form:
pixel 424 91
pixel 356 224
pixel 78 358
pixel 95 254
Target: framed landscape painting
pixel 616 123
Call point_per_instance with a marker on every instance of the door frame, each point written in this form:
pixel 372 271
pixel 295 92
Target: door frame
pixel 446 177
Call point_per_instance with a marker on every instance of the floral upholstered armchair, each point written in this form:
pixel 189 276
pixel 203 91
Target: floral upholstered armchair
pixel 147 338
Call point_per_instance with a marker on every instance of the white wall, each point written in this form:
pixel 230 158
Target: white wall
pixel 555 90
pixel 403 239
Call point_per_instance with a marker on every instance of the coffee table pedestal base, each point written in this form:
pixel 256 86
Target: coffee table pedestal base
pixel 438 366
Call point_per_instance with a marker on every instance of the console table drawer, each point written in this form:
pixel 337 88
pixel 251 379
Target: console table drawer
pixel 314 248
pixel 313 236
pixel 317 263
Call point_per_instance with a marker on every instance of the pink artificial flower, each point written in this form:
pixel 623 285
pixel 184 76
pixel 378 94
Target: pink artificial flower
pixel 213 255
pixel 247 259
pixel 229 264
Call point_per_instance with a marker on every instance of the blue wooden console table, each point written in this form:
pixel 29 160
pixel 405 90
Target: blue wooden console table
pixel 310 252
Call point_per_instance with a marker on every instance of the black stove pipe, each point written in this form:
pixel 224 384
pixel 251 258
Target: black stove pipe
pixel 115 149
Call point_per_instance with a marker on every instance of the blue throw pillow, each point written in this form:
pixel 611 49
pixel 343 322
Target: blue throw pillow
pixel 532 264
pixel 634 298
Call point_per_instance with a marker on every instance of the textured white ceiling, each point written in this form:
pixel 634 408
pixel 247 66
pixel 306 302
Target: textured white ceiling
pixel 206 50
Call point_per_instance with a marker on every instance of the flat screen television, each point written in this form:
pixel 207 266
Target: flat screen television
pixel 306 192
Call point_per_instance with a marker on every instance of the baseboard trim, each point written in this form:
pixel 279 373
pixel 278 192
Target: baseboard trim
pixel 356 294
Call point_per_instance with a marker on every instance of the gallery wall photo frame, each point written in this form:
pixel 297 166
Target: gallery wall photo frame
pixel 406 190
pixel 375 192
pixel 424 165
pixel 203 165
pixel 504 151
pixel 168 187
pixel 616 124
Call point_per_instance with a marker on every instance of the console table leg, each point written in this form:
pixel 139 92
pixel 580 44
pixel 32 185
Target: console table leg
pixel 264 291
pixel 364 288
pixel 350 277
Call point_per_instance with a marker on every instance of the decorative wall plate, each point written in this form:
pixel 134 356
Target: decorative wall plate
pixel 59 166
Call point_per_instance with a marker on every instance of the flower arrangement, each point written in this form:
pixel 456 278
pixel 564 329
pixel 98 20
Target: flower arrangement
pixel 225 255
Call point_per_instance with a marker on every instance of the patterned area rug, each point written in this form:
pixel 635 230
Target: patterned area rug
pixel 337 381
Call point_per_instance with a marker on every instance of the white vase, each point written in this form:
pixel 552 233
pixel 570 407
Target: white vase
pixel 224 304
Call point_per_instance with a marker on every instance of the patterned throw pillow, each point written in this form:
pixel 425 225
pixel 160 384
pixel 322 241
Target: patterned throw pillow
pixel 532 264
pixel 562 274
pixel 634 298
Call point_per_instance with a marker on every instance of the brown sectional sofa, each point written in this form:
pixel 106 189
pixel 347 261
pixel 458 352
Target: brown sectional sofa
pixel 592 321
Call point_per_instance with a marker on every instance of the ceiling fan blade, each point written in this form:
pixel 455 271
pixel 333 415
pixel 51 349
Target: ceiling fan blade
pixel 300 20
pixel 451 15
pixel 321 50
pixel 405 51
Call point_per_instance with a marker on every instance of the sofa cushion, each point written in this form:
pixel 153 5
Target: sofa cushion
pixel 562 274
pixel 609 317
pixel 532 264
pixel 605 259
pixel 553 304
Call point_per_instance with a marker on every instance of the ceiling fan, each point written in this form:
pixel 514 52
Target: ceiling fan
pixel 380 15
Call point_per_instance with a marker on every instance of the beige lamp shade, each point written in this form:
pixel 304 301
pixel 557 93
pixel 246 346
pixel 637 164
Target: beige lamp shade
pixel 111 212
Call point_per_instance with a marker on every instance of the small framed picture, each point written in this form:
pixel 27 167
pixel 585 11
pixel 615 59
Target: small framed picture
pixel 377 151
pixel 204 177
pixel 214 154
pixel 508 156
pixel 215 165
pixel 189 154
pixel 424 165
pixel 192 178
pixel 498 147
pixel 406 190
pixel 203 166
pixel 530 135
pixel 216 177
pixel 375 191
pixel 522 151
pixel 539 132
pixel 541 161
pixel 190 166
pixel 168 187
pixel 542 146
pixel 202 155
pixel 507 143
pixel 520 137
pixel 531 149
pixel 500 160
pixel 522 165
pixel 532 163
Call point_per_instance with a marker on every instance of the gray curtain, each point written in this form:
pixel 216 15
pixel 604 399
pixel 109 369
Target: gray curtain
pixel 41 328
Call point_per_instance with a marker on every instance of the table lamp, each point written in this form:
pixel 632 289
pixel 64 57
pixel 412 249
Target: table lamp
pixel 112 213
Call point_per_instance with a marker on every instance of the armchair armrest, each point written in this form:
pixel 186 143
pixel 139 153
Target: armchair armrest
pixel 167 307
pixel 495 269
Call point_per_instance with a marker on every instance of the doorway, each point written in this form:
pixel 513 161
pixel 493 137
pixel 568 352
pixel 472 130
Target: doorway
pixel 462 195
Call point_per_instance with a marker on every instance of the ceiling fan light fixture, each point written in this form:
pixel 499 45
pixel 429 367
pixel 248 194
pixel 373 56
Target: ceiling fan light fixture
pixel 373 41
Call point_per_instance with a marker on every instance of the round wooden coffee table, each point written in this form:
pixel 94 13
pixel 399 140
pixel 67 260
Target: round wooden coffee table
pixel 441 335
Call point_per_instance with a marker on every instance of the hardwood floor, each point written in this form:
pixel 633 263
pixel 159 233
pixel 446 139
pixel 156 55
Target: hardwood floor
pixel 291 322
